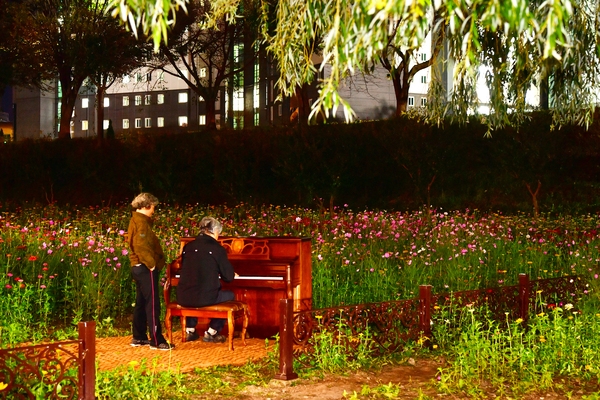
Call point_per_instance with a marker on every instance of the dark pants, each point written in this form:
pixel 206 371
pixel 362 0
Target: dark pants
pixel 216 323
pixel 146 313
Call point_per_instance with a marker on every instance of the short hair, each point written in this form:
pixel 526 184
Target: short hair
pixel 144 200
pixel 210 225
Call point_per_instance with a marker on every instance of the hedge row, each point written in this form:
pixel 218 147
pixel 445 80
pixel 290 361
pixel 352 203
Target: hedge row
pixel 398 164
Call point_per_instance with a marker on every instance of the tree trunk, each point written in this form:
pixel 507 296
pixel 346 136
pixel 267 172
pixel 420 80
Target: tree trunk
pixel 544 94
pixel 211 113
pixel 401 92
pixel 100 112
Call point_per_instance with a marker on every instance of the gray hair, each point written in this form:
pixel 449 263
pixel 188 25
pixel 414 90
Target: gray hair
pixel 144 200
pixel 210 225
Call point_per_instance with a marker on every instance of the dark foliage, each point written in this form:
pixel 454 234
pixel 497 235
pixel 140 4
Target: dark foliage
pixel 398 164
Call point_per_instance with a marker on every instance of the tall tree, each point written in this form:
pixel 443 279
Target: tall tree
pixel 402 57
pixel 63 29
pixel 20 63
pixel 116 52
pixel 202 56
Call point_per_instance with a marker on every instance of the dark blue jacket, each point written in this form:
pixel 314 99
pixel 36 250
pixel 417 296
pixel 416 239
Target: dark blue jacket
pixel 203 261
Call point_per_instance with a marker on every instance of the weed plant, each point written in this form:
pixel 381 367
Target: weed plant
pixel 61 265
pixel 556 346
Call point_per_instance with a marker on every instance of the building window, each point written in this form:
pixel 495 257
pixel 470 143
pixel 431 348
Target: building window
pixel 139 77
pixel 280 110
pixel 138 122
pixel 160 122
pixel 138 100
pixel 203 72
pixel 148 122
pixel 411 101
pixel 423 78
pixel 85 102
pixel 106 102
pixel 149 77
pixel 202 120
pixel 125 101
pixel 160 99
pixel 424 101
pixel 126 79
pixel 147 99
pixel 183 97
pixel 182 120
pixel 125 124
pixel 423 56
pixel 84 125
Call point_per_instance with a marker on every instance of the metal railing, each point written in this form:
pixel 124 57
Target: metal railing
pixel 62 370
pixel 392 323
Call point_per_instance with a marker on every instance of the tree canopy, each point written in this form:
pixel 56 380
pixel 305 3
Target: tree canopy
pixel 553 45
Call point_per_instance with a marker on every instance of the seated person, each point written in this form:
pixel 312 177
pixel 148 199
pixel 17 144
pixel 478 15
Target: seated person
pixel 203 262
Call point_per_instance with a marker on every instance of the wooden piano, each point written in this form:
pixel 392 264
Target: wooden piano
pixel 269 268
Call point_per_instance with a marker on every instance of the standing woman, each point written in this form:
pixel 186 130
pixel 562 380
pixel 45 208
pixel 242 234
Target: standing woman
pixel 147 259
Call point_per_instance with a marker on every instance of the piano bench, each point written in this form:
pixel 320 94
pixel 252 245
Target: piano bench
pixel 230 310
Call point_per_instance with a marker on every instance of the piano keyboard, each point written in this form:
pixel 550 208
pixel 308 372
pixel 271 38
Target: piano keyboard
pixel 256 278
pixel 261 278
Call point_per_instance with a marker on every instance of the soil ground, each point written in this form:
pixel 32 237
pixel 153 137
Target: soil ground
pixel 414 380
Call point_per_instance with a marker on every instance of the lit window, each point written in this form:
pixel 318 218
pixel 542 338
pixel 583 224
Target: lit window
pixel 138 100
pixel 125 101
pixel 105 124
pixel 147 99
pixel 424 79
pixel 125 124
pixel 202 120
pixel 85 103
pixel 106 102
pixel 84 125
pixel 183 97
pixel 148 122
pixel 411 101
pixel 138 122
pixel 182 121
pixel 424 101
pixel 126 79
pixel 160 98
pixel 202 72
pixel 160 122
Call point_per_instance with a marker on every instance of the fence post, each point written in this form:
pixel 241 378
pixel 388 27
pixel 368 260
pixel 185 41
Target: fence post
pixel 425 313
pixel 524 296
pixel 286 341
pixel 87 360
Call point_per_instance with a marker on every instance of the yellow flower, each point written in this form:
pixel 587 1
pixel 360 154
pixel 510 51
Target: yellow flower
pixel 435 346
pixel 588 367
pixel 541 314
pixel 3 386
pixel 529 262
pixel 133 363
pixel 519 320
pixel 542 339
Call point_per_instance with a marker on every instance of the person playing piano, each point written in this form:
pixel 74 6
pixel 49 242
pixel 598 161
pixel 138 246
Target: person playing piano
pixel 203 262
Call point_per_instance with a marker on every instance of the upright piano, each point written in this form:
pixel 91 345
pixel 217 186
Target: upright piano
pixel 269 268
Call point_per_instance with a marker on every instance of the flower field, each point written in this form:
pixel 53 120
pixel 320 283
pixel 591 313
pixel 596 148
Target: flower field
pixel 62 265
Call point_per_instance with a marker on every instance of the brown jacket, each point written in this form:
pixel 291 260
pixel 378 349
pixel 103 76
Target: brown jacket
pixel 144 246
